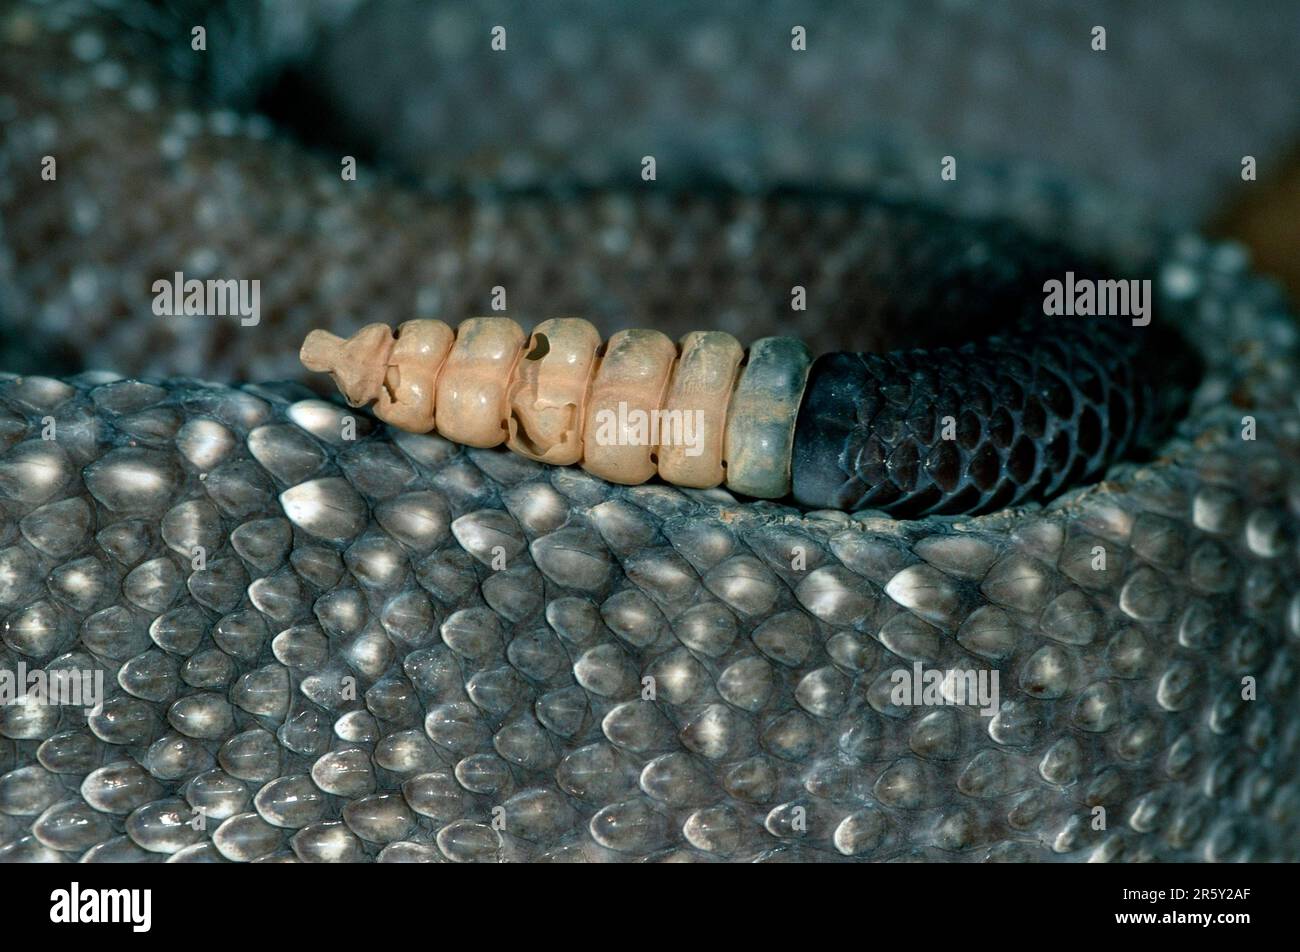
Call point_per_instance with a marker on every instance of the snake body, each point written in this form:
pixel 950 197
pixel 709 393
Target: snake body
pixel 1040 407
pixel 400 649
pixel 1038 411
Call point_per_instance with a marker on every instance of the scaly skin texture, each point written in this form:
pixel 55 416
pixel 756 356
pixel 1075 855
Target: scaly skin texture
pixel 399 649
pixel 396 648
pixel 945 431
pixel 211 194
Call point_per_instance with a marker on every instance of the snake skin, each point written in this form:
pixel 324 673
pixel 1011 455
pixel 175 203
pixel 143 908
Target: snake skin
pixel 1045 406
pixel 499 619
pixel 592 86
pixel 212 193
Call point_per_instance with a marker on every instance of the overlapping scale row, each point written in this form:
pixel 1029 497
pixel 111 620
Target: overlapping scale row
pixel 392 648
pixel 674 255
pixel 1045 406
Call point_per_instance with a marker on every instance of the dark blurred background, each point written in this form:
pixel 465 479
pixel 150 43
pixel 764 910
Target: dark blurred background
pixel 1164 115
pixel 1160 119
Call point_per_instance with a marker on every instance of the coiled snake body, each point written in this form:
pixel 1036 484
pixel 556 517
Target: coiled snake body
pixel 396 648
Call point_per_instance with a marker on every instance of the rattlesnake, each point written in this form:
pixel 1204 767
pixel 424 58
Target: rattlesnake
pixel 396 648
